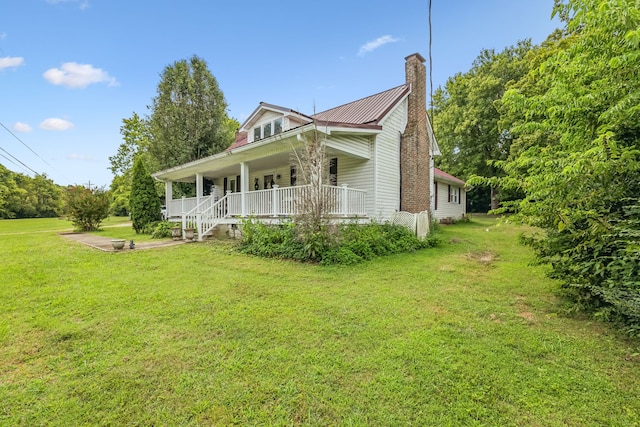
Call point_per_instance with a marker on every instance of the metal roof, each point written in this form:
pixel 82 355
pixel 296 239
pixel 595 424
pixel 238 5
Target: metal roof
pixel 446 177
pixel 366 110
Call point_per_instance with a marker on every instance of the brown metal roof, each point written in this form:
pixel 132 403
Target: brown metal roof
pixel 241 139
pixel 445 176
pixel 366 110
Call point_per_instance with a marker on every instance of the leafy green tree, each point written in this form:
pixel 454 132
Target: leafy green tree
pixel 24 197
pixel 188 115
pixel 136 135
pixel 144 202
pixel 577 155
pixel 87 208
pixel 466 120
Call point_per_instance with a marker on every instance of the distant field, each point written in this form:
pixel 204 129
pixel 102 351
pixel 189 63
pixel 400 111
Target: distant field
pixel 19 226
pixel 464 334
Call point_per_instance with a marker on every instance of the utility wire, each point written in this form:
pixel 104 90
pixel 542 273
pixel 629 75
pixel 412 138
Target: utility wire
pixel 30 149
pixel 18 160
pixel 430 68
pixel 2 155
pixel 23 143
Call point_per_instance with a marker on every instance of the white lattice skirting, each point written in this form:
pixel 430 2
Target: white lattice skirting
pixel 417 223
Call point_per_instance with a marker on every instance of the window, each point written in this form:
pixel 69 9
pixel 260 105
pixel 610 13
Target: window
pixel 267 129
pixel 436 196
pixel 293 176
pixel 268 181
pixel 333 171
pixel 453 195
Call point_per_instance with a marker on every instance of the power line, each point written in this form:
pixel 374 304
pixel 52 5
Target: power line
pixel 2 155
pixel 17 160
pixel 430 66
pixel 30 149
pixel 23 143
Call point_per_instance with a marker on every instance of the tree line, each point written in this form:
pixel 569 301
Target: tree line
pixel 553 132
pixel 24 197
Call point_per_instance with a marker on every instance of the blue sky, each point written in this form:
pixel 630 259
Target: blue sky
pixel 71 70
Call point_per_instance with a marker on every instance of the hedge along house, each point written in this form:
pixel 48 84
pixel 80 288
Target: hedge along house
pixel 380 151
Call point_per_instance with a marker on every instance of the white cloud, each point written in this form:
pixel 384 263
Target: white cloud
pixel 83 157
pixel 11 62
pixel 74 75
pixel 21 127
pixel 83 4
pixel 3 36
pixel 373 45
pixel 56 124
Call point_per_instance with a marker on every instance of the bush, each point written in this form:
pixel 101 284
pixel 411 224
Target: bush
pixel 348 244
pixel 162 230
pixel 143 203
pixel 87 208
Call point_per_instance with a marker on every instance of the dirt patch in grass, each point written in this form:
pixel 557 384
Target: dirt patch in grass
pixel 482 257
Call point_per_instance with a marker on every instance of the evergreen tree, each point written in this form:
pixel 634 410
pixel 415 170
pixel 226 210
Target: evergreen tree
pixel 144 202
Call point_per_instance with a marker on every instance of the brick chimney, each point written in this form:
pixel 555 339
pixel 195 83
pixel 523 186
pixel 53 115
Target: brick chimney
pixel 415 150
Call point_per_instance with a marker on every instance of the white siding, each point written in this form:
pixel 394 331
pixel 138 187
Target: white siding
pixel 357 174
pixel 357 145
pixel 386 161
pixel 446 209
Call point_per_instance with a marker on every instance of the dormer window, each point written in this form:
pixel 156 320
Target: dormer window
pixel 267 129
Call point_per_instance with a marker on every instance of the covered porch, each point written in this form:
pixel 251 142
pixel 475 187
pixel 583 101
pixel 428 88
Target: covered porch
pixel 260 180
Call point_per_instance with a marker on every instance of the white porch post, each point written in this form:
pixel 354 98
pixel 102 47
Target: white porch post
pixel 244 186
pixel 199 194
pixel 168 194
pixel 345 200
pixel 199 191
pixel 274 200
pixel 184 218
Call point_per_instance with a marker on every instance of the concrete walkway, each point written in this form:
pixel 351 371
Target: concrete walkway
pixel 104 243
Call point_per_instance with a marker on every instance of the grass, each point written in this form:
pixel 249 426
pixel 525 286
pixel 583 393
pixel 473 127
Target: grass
pixel 465 334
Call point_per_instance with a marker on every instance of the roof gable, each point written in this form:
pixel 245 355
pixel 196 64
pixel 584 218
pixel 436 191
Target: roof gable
pixel 264 108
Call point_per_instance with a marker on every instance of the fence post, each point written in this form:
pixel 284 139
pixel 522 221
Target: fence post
pixel 345 200
pixel 274 200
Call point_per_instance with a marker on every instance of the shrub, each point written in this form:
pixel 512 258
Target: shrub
pixel 162 230
pixel 144 202
pixel 347 244
pixel 87 208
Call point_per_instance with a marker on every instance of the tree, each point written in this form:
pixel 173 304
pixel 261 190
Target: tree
pixel 144 202
pixel 576 156
pixel 136 134
pixel 87 208
pixel 24 197
pixel 188 116
pixel 466 120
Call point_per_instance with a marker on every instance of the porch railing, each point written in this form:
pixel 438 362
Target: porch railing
pixel 205 216
pixel 275 202
pixel 289 201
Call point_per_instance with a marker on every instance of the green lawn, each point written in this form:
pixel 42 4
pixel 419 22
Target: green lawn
pixel 464 334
